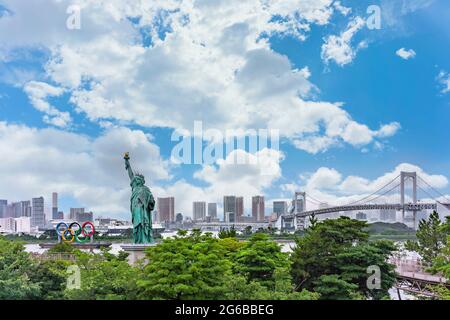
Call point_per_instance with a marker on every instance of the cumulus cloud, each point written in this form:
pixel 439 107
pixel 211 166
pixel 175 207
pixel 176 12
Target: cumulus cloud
pixel 339 48
pixel 443 79
pixel 200 61
pixel 405 54
pixel 38 92
pixel 40 161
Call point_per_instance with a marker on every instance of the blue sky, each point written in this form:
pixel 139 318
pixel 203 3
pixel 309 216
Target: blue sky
pixel 72 100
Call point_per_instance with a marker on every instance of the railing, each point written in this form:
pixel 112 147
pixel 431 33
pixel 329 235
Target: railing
pixel 414 268
pixel 54 256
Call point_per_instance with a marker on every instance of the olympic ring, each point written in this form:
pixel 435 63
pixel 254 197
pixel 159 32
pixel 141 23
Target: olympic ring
pixel 80 233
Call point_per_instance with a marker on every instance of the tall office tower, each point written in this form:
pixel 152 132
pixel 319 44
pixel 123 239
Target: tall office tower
pixel 84 216
pixel 258 208
pixel 166 209
pixel 279 207
pixel 55 206
pixel 388 215
pixel 25 208
pixel 75 213
pixel 361 216
pixel 229 206
pixel 3 204
pixel 212 210
pixel 230 217
pixel 18 209
pixel 199 210
pixel 37 212
pixel 239 209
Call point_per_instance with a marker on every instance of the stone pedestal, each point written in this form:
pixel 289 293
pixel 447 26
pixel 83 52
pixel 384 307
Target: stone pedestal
pixel 136 251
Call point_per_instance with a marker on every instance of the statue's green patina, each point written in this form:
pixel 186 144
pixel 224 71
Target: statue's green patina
pixel 141 205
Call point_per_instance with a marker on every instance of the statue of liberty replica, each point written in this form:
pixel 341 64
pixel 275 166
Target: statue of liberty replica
pixel 141 206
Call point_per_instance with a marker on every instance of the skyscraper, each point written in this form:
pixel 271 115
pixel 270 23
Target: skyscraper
pixel 37 212
pixel 258 211
pixel 279 207
pixel 229 206
pixel 3 204
pixel 166 209
pixel 212 210
pixel 85 216
pixel 239 209
pixel 199 210
pixel 55 214
pixel 75 213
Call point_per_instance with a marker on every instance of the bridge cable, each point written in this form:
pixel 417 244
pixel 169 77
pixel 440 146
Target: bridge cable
pixel 433 189
pixel 374 193
pixel 382 194
pixel 429 195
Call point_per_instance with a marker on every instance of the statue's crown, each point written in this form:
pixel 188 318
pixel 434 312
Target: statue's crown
pixel 138 174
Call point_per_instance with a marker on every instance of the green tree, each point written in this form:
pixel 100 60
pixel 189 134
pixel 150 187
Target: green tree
pixel 332 258
pixel 238 288
pixel 227 233
pixel 51 277
pixel 186 267
pixel 432 237
pixel 259 258
pixel 333 287
pixel 105 276
pixel 16 267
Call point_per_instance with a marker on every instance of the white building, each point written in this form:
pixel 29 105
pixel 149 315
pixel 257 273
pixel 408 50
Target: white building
pixel 7 225
pixel 23 225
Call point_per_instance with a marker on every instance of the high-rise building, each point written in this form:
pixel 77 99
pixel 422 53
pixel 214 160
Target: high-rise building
pixel 212 210
pixel 239 209
pixel 75 213
pixel 388 215
pixel 37 212
pixel 60 215
pixel 258 208
pixel 199 210
pixel 84 216
pixel 55 206
pixel 361 216
pixel 229 206
pixel 7 225
pixel 166 209
pixel 3 204
pixel 19 209
pixel 279 207
pixel 230 217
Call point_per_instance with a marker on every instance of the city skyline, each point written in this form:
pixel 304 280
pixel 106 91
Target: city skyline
pixel 346 98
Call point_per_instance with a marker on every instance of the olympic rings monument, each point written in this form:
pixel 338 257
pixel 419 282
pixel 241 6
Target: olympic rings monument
pixel 142 204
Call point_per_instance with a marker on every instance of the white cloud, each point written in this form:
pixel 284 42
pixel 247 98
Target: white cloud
pixel 40 161
pixel 405 54
pixel 342 9
pixel 324 178
pixel 443 79
pixel 206 61
pixel 38 92
pixel 388 130
pixel 339 48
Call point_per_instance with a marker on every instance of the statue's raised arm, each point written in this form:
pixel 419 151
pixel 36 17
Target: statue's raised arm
pixel 128 166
